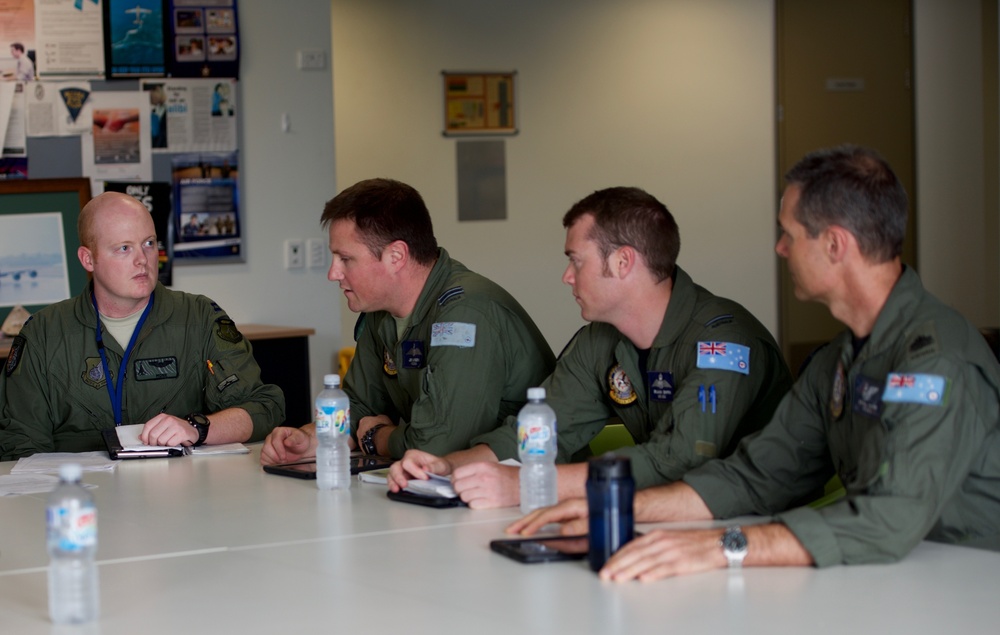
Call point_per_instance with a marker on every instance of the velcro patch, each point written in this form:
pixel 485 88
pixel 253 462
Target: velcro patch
pixel 724 356
pixel 155 368
pixel 16 353
pixel 458 334
pixel 227 331
pixel 227 382
pixel 915 388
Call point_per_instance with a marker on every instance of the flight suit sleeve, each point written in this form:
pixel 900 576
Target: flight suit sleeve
pixel 575 392
pixel 26 425
pixel 927 452
pixel 710 406
pixel 234 380
pixel 364 383
pixel 462 384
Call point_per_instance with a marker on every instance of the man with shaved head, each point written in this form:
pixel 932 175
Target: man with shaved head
pixel 130 351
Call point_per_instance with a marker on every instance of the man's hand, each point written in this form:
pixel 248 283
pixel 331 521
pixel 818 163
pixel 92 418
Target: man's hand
pixel 572 513
pixel 484 485
pixel 284 445
pixel 381 437
pixel 415 464
pixel 164 429
pixel 662 553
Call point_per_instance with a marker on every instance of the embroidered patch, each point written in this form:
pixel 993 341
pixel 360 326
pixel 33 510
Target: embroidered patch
pixel 449 295
pixel 724 356
pixel 413 354
pixel 155 368
pixel 388 365
pixel 227 331
pixel 620 386
pixel 661 385
pixel 867 397
pixel 914 388
pixel 94 375
pixel 16 353
pixel 719 320
pixel 216 308
pixel 458 334
pixel 837 390
pixel 227 382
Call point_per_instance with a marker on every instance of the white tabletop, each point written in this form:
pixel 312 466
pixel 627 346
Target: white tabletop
pixel 214 545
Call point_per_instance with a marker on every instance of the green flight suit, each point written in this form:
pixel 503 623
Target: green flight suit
pixel 669 411
pixel 54 394
pixel 463 364
pixel 910 424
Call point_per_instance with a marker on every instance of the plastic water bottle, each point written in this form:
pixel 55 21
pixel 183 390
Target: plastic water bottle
pixel 333 424
pixel 536 435
pixel 610 495
pixel 74 596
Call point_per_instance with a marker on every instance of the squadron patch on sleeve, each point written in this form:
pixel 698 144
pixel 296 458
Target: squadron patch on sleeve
pixel 16 353
pixel 388 365
pixel 837 390
pixel 724 356
pixel 915 388
pixel 620 386
pixel 460 334
pixel 413 354
pixel 226 329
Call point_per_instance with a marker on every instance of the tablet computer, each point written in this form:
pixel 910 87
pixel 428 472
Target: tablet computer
pixel 307 469
pixel 542 548
pixel 427 500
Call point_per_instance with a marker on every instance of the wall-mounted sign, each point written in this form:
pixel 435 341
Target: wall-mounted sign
pixel 477 103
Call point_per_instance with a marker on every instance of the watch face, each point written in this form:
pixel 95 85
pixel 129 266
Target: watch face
pixel 734 541
pixel 198 419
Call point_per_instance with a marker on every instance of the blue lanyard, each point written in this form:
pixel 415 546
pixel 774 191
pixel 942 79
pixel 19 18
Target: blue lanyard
pixel 115 390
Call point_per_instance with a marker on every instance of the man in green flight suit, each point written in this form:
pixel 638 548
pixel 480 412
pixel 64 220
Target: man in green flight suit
pixel 130 351
pixel 443 354
pixel 688 373
pixel 904 406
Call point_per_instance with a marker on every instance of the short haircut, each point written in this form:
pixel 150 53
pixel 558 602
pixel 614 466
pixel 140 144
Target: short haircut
pixel 385 211
pixel 852 187
pixel 18 46
pixel 630 216
pixel 85 222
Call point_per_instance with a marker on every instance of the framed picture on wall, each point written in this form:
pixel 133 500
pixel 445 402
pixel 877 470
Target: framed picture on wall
pixel 479 103
pixel 38 242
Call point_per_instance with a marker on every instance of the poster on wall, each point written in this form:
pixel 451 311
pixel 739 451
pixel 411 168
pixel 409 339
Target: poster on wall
pixel 70 38
pixel 478 103
pixel 156 198
pixel 17 40
pixel 134 38
pixel 203 38
pixel 206 208
pixel 192 115
pixel 118 147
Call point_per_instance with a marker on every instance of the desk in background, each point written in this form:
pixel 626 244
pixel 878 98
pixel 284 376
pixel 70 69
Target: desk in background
pixel 215 545
pixel 282 352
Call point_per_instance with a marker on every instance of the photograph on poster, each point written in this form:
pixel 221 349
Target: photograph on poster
pixel 206 203
pixel 134 42
pixel 33 267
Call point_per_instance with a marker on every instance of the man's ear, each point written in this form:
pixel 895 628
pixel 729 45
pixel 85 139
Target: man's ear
pixel 838 242
pixel 623 261
pixel 86 258
pixel 396 254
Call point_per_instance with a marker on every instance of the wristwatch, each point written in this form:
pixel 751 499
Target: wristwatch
pixel 368 439
pixel 200 423
pixel 734 546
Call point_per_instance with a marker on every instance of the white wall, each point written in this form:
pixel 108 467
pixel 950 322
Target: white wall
pixel 285 179
pixel 674 96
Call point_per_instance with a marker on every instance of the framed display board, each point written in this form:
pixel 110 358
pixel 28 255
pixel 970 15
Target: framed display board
pixel 38 242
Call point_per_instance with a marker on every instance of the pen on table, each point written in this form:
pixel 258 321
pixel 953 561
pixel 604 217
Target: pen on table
pixel 711 394
pixel 701 396
pixel 211 366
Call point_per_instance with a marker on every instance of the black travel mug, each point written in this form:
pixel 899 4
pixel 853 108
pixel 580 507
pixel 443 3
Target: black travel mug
pixel 610 492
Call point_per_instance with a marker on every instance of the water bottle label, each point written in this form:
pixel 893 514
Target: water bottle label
pixel 534 439
pixel 74 527
pixel 332 420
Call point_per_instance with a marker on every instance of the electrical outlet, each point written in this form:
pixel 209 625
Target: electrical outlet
pixel 311 59
pixel 295 254
pixel 316 253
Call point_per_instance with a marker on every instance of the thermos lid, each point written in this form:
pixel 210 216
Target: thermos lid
pixel 609 466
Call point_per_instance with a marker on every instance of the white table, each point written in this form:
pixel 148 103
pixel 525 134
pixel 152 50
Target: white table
pixel 214 545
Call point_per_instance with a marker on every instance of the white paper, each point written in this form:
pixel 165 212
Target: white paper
pixel 72 37
pixel 17 484
pixel 15 141
pixel 118 149
pixel 6 104
pixel 128 436
pixel 51 108
pixel 49 462
pixel 434 486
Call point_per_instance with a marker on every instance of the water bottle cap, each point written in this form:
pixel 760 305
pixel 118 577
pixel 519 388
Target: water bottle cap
pixel 70 472
pixel 609 466
pixel 536 394
pixel 333 379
